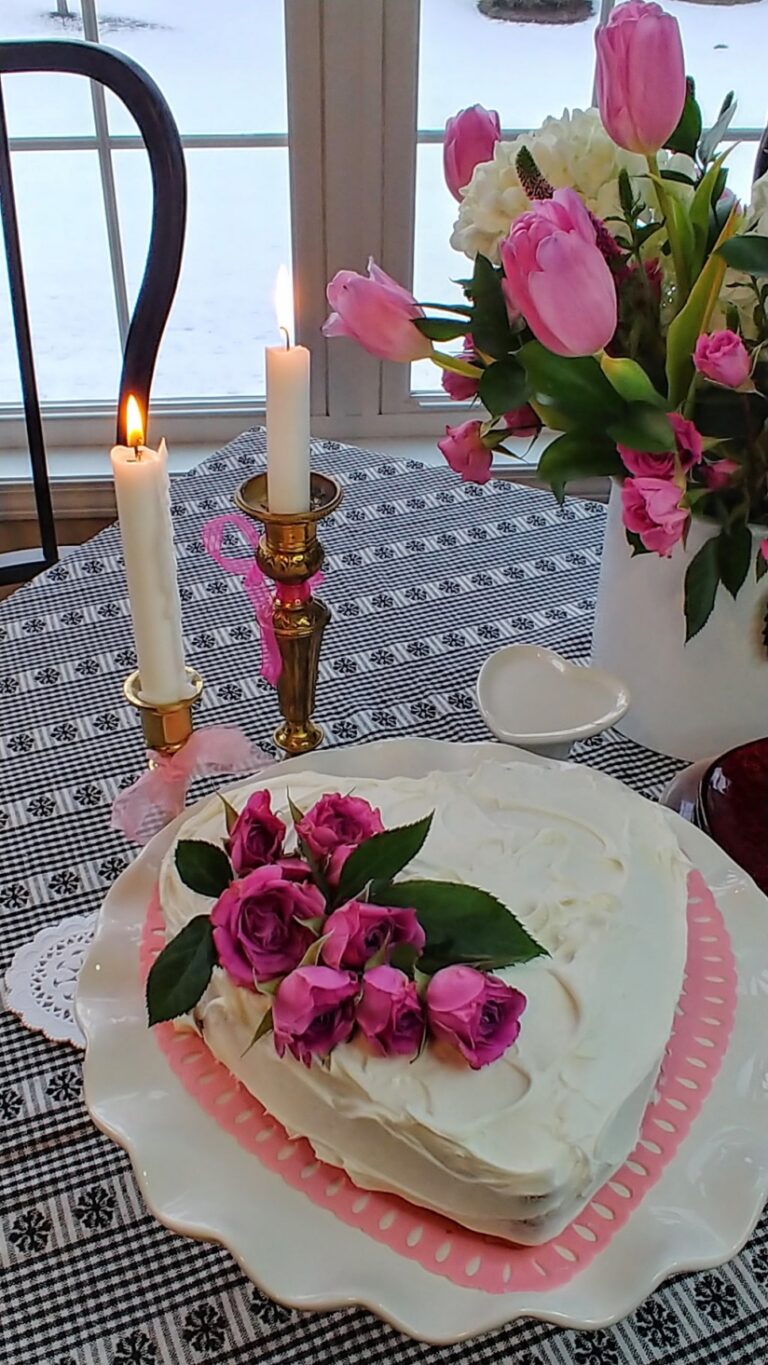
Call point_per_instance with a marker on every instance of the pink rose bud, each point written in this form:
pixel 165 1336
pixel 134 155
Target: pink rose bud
pixel 466 453
pixel 470 137
pixel 256 924
pixel 647 464
pixel 257 835
pixel 312 1011
pixel 763 548
pixel 459 387
pixel 640 76
pixel 357 931
pixel 723 358
pixel 651 509
pixel 377 313
pixel 720 474
pixel 389 1014
pixel 476 1013
pixel 334 827
pixel 558 278
pixel 522 422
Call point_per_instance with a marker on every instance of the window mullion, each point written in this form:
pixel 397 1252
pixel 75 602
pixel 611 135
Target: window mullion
pixel 107 172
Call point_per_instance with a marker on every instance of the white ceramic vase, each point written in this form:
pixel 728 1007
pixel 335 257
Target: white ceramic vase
pixel 688 700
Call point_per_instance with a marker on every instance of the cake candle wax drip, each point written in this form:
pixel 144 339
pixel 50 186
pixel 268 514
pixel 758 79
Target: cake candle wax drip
pixel 287 412
pixel 142 492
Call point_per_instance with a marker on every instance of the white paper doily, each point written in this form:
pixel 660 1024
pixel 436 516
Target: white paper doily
pixel 41 981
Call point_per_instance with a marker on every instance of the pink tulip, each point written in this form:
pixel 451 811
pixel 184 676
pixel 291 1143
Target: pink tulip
pixel 376 312
pixel 558 278
pixel 466 453
pixel 470 137
pixel 723 358
pixel 640 76
pixel 459 387
pixel 651 509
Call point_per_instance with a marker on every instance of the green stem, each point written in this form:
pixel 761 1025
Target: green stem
pixel 452 362
pixel 463 309
pixel 678 257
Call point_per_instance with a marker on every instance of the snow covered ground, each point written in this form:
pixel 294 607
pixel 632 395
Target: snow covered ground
pixel 221 66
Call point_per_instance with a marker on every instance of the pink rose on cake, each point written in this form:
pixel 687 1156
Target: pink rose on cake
pixel 257 835
pixel 334 827
pixel 390 1014
pixel 357 931
pixel 257 929
pixel 477 1014
pixel 314 1010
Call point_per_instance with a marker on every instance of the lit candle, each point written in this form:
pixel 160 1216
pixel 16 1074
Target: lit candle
pixel 142 492
pixel 287 412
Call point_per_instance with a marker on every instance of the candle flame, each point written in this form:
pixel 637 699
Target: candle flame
pixel 284 303
pixel 134 423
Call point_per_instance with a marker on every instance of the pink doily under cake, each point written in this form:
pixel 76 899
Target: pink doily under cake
pixel 703 1023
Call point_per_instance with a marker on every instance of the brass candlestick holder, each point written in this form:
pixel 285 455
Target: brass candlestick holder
pixel 166 725
pixel 290 553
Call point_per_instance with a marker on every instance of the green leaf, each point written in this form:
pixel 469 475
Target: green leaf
pixel 691 321
pixel 630 380
pixel 626 195
pixel 464 924
pixel 265 1026
pixel 728 415
pixel 748 253
pixel 230 814
pixel 439 329
pixel 461 308
pixel 503 387
pixel 716 133
pixel 578 455
pixel 634 540
pixel 203 867
pixel 178 977
pixel 381 856
pixel 734 554
pixel 699 213
pixel 489 323
pixel 644 428
pixel 678 177
pixel 306 853
pixel 404 956
pixel 686 136
pixel 701 582
pixel 574 385
pixel 761 565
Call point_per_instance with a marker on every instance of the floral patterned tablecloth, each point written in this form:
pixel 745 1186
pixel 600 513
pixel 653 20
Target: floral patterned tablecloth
pixel 426 577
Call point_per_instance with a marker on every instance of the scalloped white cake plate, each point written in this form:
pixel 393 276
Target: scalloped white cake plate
pixel 197 1179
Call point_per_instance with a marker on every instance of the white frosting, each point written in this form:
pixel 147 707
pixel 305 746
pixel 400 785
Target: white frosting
pixel 515 1148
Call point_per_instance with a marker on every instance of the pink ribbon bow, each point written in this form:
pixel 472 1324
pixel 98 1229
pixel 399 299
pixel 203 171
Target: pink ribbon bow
pixel 159 795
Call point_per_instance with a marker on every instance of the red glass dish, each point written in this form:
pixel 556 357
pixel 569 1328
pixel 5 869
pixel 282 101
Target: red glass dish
pixel 733 807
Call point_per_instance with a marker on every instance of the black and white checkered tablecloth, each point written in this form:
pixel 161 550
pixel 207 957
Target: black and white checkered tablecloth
pixel 426 577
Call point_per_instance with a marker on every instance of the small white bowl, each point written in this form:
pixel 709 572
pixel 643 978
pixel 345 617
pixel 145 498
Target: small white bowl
pixel 537 700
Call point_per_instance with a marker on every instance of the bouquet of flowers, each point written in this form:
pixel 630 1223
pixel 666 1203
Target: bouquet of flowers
pixel 618 297
pixel 334 945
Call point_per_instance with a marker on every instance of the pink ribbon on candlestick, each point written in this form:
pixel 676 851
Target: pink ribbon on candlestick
pixel 256 585
pixel 159 795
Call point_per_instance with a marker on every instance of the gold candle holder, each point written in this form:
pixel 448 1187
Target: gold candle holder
pixel 290 553
pixel 166 725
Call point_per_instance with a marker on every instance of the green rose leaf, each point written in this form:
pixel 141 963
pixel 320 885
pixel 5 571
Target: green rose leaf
pixel 685 137
pixel 230 814
pixel 578 455
pixel 441 329
pixel 489 323
pixel 463 924
pixel 381 858
pixel 178 977
pixel 644 427
pixel 701 580
pixel 503 387
pixel 634 540
pixel 265 1026
pixel 734 555
pixel 574 386
pixel 203 867
pixel 748 253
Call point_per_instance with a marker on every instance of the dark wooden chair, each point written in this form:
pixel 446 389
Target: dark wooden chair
pixel 145 102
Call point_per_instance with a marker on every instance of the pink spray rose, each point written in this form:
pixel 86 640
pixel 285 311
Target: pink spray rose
pixel 640 76
pixel 474 1012
pixel 720 474
pixel 312 1011
pixel 763 549
pixel 723 358
pixel 257 835
pixel 651 508
pixel 466 453
pixel 522 422
pixel 459 387
pixel 689 450
pixel 256 926
pixel 334 827
pixel 357 931
pixel 390 1014
pixel 557 277
pixel 377 312
pixel 470 137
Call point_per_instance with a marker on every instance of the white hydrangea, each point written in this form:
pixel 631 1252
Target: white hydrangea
pixel 575 151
